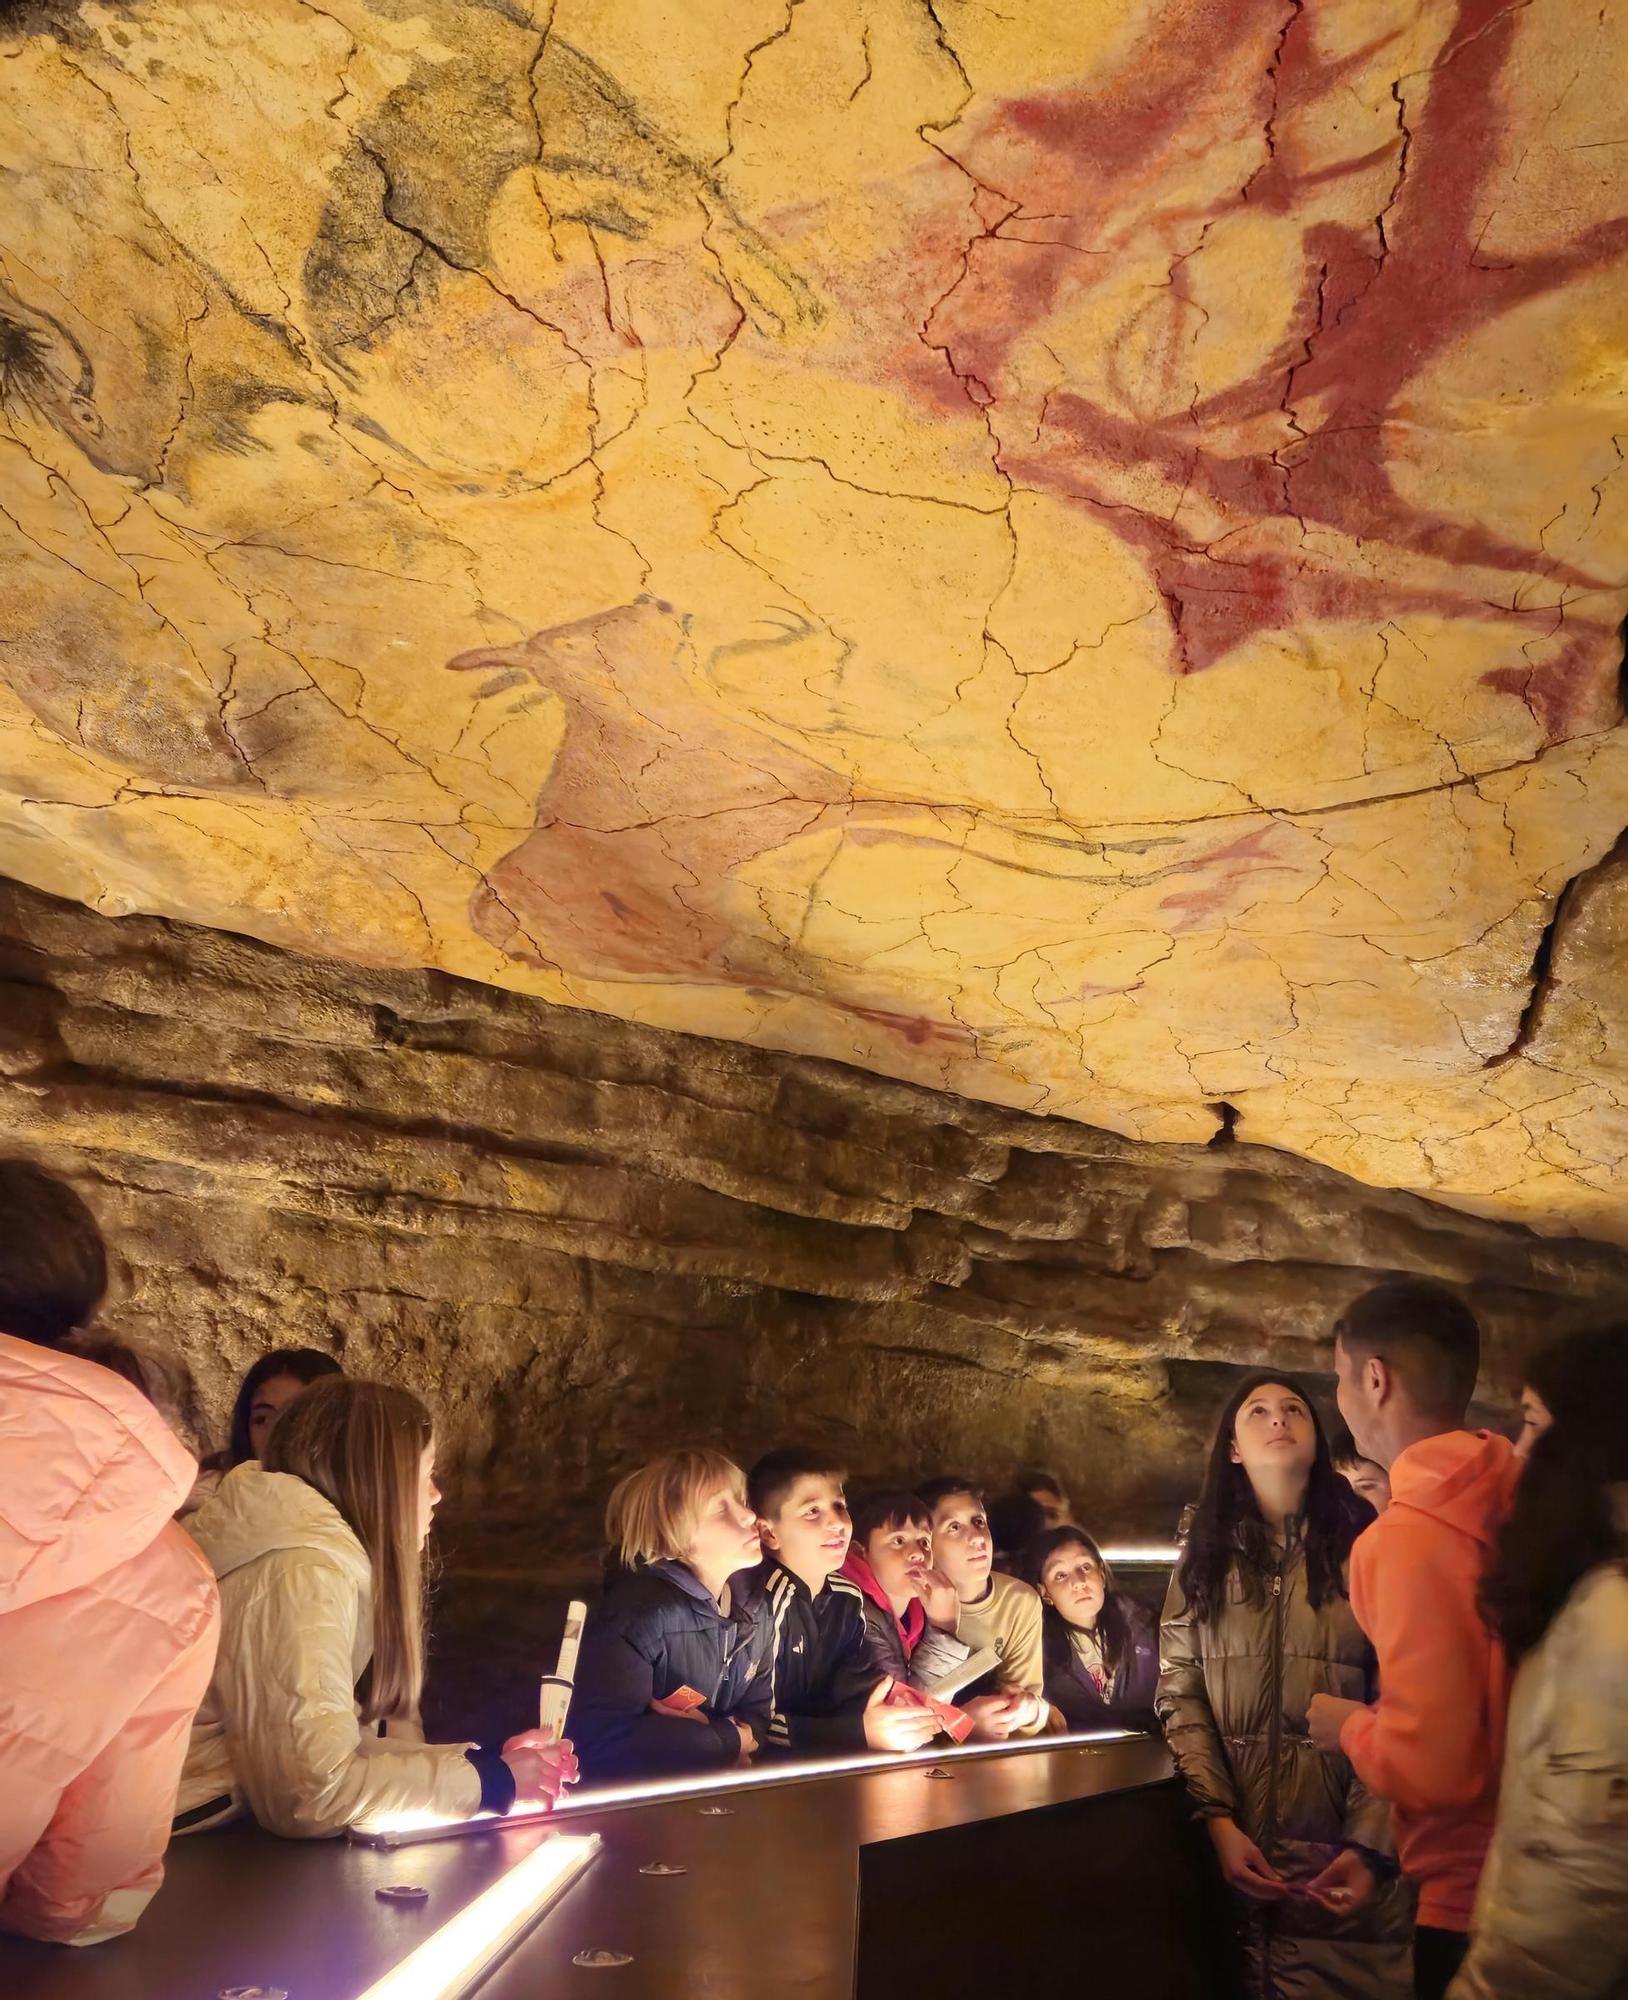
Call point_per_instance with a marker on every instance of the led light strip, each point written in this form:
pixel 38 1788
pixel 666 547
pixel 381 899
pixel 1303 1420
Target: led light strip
pixel 1143 1552
pixel 448 1963
pixel 404 1829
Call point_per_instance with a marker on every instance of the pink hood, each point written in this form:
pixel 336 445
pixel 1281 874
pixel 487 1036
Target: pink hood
pixel 857 1569
pixel 89 1473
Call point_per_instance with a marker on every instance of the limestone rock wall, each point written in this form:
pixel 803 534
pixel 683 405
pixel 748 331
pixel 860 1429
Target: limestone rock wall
pixel 1071 552
pixel 583 1240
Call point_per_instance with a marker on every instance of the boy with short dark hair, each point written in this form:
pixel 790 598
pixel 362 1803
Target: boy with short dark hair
pixel 1406 1356
pixel 1048 1493
pixel 1366 1477
pixel 830 1696
pixel 910 1608
pixel 995 1611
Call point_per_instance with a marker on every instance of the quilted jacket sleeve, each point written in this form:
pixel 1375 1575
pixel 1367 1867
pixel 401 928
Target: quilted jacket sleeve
pixel 1550 1921
pixel 89 1875
pixel 1183 1706
pixel 285 1692
pixel 616 1732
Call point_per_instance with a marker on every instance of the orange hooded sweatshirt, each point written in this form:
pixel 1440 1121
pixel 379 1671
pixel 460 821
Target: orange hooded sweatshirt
pixel 1433 1743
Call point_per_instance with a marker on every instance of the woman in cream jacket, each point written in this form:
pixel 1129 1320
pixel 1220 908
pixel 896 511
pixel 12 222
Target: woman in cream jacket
pixel 318 1550
pixel 1551 1917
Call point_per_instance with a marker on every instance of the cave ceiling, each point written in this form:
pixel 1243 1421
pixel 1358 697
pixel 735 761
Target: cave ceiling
pixel 1070 552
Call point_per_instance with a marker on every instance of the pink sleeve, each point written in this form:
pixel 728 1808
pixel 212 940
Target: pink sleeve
pixel 98 1861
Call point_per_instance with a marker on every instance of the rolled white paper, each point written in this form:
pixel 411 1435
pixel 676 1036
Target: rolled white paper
pixel 554 1694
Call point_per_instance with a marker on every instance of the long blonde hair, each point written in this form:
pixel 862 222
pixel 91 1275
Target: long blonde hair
pixel 361 1444
pixel 652 1513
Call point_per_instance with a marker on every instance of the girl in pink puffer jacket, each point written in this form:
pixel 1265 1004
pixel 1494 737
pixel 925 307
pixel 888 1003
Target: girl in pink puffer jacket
pixel 108 1613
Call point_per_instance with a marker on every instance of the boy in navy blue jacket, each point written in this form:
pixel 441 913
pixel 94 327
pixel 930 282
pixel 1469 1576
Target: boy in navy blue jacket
pixel 676 1673
pixel 829 1698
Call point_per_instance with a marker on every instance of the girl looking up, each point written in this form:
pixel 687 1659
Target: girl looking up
pixel 1256 1622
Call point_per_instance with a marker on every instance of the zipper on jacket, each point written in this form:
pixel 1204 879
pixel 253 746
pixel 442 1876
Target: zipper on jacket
pixel 1274 1750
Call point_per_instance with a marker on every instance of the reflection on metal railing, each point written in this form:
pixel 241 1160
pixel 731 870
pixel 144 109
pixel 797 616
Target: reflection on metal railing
pixel 404 1829
pixel 452 1959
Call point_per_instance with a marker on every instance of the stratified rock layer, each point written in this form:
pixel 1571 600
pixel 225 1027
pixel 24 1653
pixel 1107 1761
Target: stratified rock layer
pixel 1072 553
pixel 585 1241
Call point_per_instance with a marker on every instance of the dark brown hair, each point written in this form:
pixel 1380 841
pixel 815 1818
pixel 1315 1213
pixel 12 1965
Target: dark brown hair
pixel 303 1364
pixel 1113 1622
pixel 770 1481
pixel 1426 1333
pixel 1228 1531
pixel 53 1266
pixel 1563 1522
pixel 892 1507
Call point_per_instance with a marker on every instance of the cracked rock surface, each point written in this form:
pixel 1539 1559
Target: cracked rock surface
pixel 583 1239
pixel 1072 554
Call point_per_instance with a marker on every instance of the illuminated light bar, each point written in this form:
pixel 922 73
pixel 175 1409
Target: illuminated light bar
pixel 1142 1552
pixel 450 1961
pixel 404 1829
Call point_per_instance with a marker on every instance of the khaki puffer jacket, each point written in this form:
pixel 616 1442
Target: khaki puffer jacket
pixel 280 1729
pixel 1233 1696
pixel 1551 1919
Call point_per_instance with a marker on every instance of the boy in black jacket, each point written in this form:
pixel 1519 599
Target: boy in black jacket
pixel 829 1698
pixel 676 1672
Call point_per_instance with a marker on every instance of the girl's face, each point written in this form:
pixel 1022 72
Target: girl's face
pixel 270 1400
pixel 726 1536
pixel 1073 1581
pixel 1273 1432
pixel 429 1494
pixel 1535 1420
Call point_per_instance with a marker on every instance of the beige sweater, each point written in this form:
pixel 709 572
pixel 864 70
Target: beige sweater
pixel 1007 1617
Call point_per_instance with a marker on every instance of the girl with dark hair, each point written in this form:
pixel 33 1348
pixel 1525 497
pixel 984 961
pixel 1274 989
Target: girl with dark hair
pixel 267 1389
pixel 1550 1920
pixel 319 1554
pixel 1257 1622
pixel 1100 1648
pixel 271 1384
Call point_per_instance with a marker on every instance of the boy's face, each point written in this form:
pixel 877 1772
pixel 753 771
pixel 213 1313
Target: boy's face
pixel 1053 1505
pixel 726 1535
pixel 963 1547
pixel 1369 1482
pixel 898 1555
pixel 810 1531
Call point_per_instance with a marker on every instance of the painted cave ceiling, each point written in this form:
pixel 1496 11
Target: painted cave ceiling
pixel 1071 552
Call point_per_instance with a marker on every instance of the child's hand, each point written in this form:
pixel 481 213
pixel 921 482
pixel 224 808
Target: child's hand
pixel 1243 1864
pixel 541 1769
pixel 1326 1716
pixel 748 1739
pixel 1344 1885
pixel 1027 1707
pixel 896 1729
pixel 995 1716
pixel 939 1598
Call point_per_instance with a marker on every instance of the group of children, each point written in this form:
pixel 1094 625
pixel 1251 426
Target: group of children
pixel 755 1604
pixel 1332 1687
